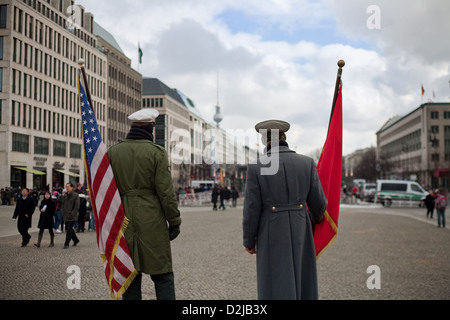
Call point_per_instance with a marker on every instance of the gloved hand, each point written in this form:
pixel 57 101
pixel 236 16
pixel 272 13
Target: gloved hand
pixel 174 231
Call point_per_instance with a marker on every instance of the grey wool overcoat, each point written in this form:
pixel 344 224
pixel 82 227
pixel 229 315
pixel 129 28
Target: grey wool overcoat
pixel 277 223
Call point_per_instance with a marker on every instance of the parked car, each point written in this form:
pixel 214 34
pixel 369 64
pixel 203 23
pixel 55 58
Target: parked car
pixel 396 190
pixel 368 192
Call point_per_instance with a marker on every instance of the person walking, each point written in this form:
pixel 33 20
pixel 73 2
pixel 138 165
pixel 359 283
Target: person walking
pixel 69 209
pixel 429 203
pixel 234 196
pixel 214 197
pixel 46 219
pixel 82 211
pixel 24 212
pixel 222 198
pixel 142 172
pixel 58 214
pixel 277 225
pixel 441 205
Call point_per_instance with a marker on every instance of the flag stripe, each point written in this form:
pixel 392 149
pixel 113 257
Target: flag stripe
pixel 330 175
pixel 110 220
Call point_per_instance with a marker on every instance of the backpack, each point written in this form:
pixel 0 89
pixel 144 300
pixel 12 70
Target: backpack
pixel 441 202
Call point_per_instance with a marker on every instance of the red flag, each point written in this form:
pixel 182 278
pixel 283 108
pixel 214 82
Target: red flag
pixel 110 220
pixel 330 175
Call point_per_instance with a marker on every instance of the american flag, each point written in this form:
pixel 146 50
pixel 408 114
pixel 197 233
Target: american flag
pixel 110 220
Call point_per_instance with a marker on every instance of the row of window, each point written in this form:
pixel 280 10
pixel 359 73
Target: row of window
pixel 42 91
pixel 33 28
pixel 408 143
pixel 153 103
pixel 26 116
pixel 124 79
pixel 21 143
pixel 435 115
pixel 117 96
pixel 50 66
pixel 412 142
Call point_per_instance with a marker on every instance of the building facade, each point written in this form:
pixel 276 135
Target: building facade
pixel 41 42
pixel 197 150
pixel 173 126
pixel 417 146
pixel 124 87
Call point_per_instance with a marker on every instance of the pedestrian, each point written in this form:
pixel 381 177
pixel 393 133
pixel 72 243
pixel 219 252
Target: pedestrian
pixel 441 205
pixel 46 219
pixel 222 195
pixel 82 211
pixel 354 193
pixel 69 208
pixel 91 215
pixel 277 225
pixel 3 193
pixel 234 196
pixel 429 203
pixel 8 196
pixel 214 197
pixel 58 215
pixel 144 180
pixel 24 212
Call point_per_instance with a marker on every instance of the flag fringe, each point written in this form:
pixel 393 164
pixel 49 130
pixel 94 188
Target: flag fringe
pixel 335 229
pixel 130 279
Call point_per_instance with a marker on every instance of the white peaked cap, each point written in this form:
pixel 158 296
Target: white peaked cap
pixel 144 115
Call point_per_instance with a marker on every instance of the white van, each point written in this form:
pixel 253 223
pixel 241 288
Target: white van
pixel 395 190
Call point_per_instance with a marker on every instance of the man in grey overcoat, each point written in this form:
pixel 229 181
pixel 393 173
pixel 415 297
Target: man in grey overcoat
pixel 280 208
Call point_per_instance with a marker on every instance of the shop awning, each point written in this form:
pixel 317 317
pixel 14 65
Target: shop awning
pixel 442 173
pixel 68 173
pixel 29 170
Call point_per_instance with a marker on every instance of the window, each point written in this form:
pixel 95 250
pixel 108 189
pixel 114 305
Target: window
pixel 3 16
pixel 59 148
pixel 75 151
pixel 1 48
pixel 434 129
pixel 393 187
pixel 21 143
pixel 434 115
pixel 41 146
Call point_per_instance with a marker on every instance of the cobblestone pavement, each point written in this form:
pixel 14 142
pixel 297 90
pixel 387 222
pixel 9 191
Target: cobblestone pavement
pixel 211 264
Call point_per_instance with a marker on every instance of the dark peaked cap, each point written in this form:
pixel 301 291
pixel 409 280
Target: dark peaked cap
pixel 273 125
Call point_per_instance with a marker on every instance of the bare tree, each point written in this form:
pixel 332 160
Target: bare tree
pixel 367 166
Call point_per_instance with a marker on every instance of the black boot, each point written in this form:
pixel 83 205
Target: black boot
pixel 52 243
pixel 38 244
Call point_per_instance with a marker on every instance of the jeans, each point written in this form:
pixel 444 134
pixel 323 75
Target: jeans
pixel 164 287
pixel 441 215
pixel 58 218
pixel 92 222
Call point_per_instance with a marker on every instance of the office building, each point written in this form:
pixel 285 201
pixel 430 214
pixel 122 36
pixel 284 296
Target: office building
pixel 41 42
pixel 417 146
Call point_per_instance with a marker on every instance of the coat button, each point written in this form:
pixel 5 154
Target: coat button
pixel 274 208
pixel 301 206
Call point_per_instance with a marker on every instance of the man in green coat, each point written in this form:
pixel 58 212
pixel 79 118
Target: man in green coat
pixel 142 172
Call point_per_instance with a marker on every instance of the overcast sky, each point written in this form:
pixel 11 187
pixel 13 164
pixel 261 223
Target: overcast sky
pixel 278 58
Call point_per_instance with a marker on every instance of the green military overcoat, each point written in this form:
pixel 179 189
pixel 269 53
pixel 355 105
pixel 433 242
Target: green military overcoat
pixel 143 177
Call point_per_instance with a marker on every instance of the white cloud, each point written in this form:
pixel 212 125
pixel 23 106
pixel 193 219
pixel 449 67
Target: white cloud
pixel 186 42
